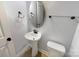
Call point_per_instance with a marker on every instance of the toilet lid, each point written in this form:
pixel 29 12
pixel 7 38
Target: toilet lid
pixel 56 46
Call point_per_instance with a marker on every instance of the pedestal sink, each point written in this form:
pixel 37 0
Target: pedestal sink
pixel 33 38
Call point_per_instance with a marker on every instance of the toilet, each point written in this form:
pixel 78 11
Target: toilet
pixel 55 49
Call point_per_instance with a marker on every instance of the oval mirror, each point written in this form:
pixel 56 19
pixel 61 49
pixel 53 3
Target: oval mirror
pixel 36 13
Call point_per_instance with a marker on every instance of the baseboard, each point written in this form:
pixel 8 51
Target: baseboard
pixel 27 52
pixel 21 53
pixel 43 53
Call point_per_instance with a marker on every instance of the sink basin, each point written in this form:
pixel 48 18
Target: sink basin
pixel 33 38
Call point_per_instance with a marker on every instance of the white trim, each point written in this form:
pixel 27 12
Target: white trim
pixel 26 48
pixel 43 52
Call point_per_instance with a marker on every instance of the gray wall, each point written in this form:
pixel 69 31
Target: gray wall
pixel 58 29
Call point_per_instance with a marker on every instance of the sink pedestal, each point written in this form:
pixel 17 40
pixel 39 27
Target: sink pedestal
pixel 34 46
pixel 33 41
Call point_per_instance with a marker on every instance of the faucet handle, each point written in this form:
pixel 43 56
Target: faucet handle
pixel 35 31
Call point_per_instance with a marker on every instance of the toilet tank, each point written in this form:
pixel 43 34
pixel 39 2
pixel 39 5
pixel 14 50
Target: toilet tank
pixel 55 49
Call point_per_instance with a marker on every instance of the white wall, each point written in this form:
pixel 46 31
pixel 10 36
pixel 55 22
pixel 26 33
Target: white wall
pixel 63 8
